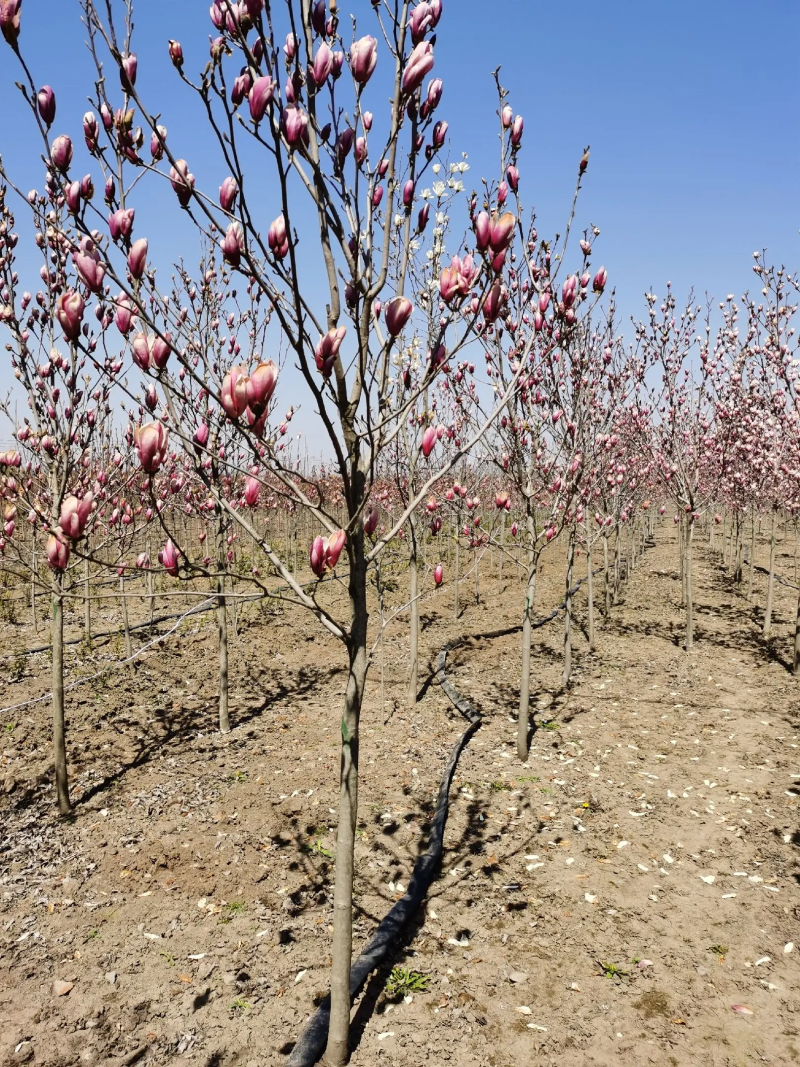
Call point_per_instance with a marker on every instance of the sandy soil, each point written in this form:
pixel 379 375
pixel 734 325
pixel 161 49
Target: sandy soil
pixel 628 895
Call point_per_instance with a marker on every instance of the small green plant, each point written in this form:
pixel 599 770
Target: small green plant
pixel 85 648
pixel 17 670
pixel 116 645
pixel 499 787
pixel 611 970
pixel 236 907
pixel 240 1006
pixel 92 935
pixel 402 982
pixel 8 609
pixel 10 727
pixel 719 950
pixel 238 776
pixel 528 779
pixel 551 724
pixel 170 959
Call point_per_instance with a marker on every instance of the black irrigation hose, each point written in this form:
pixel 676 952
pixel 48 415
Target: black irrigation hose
pixel 314 1037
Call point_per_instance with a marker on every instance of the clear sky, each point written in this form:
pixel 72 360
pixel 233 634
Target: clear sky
pixel 692 111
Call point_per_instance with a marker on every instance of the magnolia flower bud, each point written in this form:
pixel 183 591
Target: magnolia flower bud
pixel 233 395
pixel 61 153
pixel 69 312
pixel 327 350
pixel 260 386
pixel 176 54
pixel 152 443
pixel 127 72
pixel 323 61
pixel 278 238
pixel 363 58
pixel 260 97
pixel 228 192
pixel 420 62
pixel 46 101
pixel 74 516
pixel 232 244
pixel 336 543
pixel 397 313
pixel 57 550
pixel 182 182
pixel 438 574
pixel 317 556
pixel 9 20
pixel 251 491
pixel 600 279
pixel 429 439
pixel 137 257
pixel 168 558
pixel 371 522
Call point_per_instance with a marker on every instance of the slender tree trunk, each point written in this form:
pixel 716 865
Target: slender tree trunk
pixel 125 623
pixel 502 545
pixel 87 605
pixel 682 556
pixel 752 556
pixel 337 1051
pixel 413 575
pixel 617 562
pixel 222 630
pixel 33 582
pixel 606 580
pixel 523 719
pixel 689 588
pixel 455 583
pixel 589 590
pixel 59 728
pixel 567 675
pixel 771 581
pixel 796 665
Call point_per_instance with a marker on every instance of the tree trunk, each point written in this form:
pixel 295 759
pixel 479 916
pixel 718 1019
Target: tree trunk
pixel 689 587
pixel 222 631
pixel 567 675
pixel 589 591
pixel 752 556
pixel 455 583
pixel 523 719
pixel 87 605
pixel 413 575
pixel 796 665
pixel 338 1047
pixel 771 581
pixel 59 729
pixel 126 626
pixel 502 545
pixel 606 580
pixel 33 582
pixel 682 557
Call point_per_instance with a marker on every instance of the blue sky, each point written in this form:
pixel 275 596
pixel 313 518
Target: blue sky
pixel 692 111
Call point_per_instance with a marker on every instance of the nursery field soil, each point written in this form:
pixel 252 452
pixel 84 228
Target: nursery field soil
pixel 628 895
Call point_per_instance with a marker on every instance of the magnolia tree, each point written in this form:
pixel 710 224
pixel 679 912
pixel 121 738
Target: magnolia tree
pixel 334 213
pixel 67 387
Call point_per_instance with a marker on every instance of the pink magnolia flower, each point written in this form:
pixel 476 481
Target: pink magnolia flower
pixel 137 257
pixel 278 238
pixel 251 491
pixel 61 153
pixel 69 312
pixel 233 396
pixel 397 313
pixel 420 63
pixel 152 442
pixel 46 102
pixel 260 386
pixel 323 62
pixel 182 181
pixel 363 57
pixel 9 20
pixel 228 192
pixel 259 98
pixel 232 244
pixel 336 543
pixel 74 515
pixel 371 522
pixel 438 574
pixel 429 439
pixel 57 550
pixel 168 558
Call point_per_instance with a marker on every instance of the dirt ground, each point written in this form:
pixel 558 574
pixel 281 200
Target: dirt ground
pixel 628 895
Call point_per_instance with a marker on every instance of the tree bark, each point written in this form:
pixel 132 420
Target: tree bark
pixel 689 587
pixel 606 580
pixel 523 718
pixel 567 675
pixel 796 665
pixel 59 728
pixel 413 575
pixel 771 580
pixel 589 591
pixel 455 583
pixel 338 1047
pixel 126 625
pixel 222 631
pixel 87 605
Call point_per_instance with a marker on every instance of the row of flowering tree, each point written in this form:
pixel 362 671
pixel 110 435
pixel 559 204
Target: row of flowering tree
pixel 360 201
